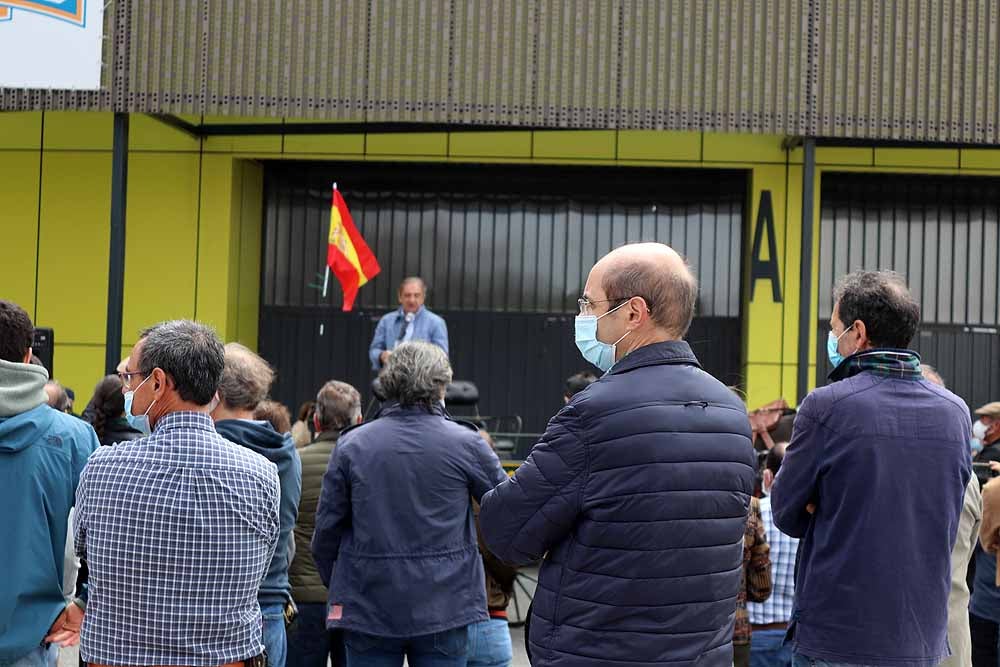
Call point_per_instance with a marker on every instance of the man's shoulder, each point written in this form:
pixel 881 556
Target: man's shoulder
pixel 72 427
pixel 432 316
pixel 388 316
pixel 209 450
pixel 228 453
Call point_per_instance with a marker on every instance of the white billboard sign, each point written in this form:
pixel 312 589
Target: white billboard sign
pixel 51 43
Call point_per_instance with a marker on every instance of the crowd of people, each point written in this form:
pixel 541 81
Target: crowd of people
pixel 210 530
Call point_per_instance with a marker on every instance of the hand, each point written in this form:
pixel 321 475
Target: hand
pixel 66 629
pixel 995 466
pixel 384 357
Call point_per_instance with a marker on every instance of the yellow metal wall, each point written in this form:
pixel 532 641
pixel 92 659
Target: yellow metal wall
pixel 195 218
pixel 192 242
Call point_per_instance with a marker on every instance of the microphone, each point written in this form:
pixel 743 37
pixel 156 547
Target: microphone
pixel 407 319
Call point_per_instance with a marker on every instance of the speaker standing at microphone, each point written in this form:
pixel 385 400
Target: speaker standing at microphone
pixel 411 321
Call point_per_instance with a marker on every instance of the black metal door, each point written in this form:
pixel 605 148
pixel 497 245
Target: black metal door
pixel 505 252
pixel 940 232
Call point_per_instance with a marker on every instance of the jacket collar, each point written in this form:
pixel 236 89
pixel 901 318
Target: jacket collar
pixel 887 362
pixel 396 408
pixel 400 313
pixel 327 436
pixel 669 352
pixel 185 420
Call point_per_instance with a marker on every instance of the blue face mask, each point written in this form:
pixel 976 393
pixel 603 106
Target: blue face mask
pixel 138 422
pixel 596 352
pixel 976 445
pixel 831 347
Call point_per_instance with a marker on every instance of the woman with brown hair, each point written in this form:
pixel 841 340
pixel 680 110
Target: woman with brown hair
pixel 106 412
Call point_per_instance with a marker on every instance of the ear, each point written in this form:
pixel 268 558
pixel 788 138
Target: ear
pixel 316 423
pixel 161 382
pixel 862 333
pixel 637 309
pixel 768 478
pixel 27 356
pixel 360 419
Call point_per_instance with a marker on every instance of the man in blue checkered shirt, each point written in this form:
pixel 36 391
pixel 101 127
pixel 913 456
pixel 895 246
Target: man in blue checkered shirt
pixel 769 619
pixel 178 528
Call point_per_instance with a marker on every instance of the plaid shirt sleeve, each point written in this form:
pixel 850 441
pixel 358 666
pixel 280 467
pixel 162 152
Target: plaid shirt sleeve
pixel 80 517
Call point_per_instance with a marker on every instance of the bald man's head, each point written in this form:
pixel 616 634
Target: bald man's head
pixel 660 276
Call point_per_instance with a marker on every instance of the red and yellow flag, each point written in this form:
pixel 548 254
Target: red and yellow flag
pixel 348 256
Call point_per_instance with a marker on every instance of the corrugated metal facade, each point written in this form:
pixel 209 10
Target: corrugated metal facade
pixel 903 69
pixel 941 234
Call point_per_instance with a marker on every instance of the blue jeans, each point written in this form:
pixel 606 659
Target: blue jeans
pixel 489 644
pixel 274 634
pixel 767 649
pixel 805 661
pixel 310 644
pixel 441 649
pixel 42 656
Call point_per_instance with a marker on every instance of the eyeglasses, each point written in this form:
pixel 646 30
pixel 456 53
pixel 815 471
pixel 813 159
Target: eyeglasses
pixel 586 304
pixel 126 378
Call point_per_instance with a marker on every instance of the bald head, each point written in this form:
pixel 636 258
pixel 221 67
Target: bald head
pixel 931 375
pixel 656 273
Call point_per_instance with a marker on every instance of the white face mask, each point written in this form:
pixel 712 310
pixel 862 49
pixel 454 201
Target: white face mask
pixel 979 430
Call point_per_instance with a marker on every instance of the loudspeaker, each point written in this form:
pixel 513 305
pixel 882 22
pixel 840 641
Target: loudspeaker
pixel 44 347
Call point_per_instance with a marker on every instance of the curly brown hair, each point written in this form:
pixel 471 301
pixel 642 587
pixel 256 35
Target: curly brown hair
pixel 107 404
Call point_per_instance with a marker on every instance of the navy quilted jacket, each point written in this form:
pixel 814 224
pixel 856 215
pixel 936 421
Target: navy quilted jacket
pixel 637 496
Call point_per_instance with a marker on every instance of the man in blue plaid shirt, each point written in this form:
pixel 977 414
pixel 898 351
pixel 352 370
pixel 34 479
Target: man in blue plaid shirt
pixel 769 619
pixel 178 528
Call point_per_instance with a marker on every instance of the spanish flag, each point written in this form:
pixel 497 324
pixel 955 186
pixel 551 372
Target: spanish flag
pixel 348 256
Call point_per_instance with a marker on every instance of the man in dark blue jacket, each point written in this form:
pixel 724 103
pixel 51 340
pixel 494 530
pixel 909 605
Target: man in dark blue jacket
pixel 245 382
pixel 395 539
pixel 637 493
pixel 873 482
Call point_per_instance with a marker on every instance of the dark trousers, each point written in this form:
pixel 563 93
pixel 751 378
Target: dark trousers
pixel 985 634
pixel 310 644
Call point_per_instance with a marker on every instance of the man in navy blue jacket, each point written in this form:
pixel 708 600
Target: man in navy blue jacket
pixel 637 493
pixel 873 482
pixel 395 540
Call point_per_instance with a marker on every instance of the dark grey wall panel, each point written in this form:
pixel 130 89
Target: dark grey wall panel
pixel 506 251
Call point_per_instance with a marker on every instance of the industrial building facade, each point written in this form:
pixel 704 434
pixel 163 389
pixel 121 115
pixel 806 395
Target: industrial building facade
pixel 497 150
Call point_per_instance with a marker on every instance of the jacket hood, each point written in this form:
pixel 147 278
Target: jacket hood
pixel 258 436
pixel 25 429
pixel 22 387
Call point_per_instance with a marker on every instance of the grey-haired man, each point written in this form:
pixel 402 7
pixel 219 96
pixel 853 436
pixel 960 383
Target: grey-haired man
pixel 178 528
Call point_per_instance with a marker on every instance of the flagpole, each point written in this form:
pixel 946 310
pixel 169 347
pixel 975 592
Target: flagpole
pixel 326 274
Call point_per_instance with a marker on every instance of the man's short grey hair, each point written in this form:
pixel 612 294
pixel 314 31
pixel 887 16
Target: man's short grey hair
pixel 246 378
pixel 189 352
pixel 338 405
pixel 416 374
pixel 60 401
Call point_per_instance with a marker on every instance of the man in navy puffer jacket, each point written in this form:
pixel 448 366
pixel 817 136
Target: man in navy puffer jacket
pixel 637 493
